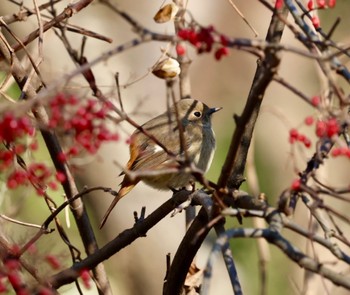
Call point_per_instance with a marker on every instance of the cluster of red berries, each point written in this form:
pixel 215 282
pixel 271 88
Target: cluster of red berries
pixel 327 128
pixel 11 276
pixel 84 121
pixel 13 132
pixel 341 151
pixel 323 129
pixel 321 4
pixel 295 135
pixel 6 159
pixel 13 128
pixel 203 39
pixel 11 273
pixel 38 174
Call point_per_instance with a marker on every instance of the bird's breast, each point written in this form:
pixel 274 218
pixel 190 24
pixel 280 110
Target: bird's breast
pixel 206 151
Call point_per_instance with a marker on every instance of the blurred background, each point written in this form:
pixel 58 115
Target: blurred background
pixel 140 268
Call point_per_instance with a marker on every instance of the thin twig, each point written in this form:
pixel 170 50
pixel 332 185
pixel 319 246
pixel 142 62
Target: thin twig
pixel 243 17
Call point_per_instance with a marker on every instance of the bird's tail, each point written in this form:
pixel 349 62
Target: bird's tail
pixel 122 192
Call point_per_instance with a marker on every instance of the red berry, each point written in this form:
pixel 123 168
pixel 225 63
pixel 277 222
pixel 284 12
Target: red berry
pixel 16 178
pixel 15 280
pixel 40 192
pixel 85 139
pixel 85 276
pixel 331 3
pixel 336 152
pixel 11 183
pixel 53 261
pixel 53 185
pixel 310 4
pixel 193 38
pixel 33 146
pixel 315 100
pixel 20 149
pixel 296 184
pixel 321 4
pixel 315 21
pixel 309 120
pixel 180 49
pixel 60 176
pixel 91 103
pixel 332 127
pixel 301 137
pixel 12 264
pixel 184 34
pixel 347 152
pixel 307 142
pixel 224 40
pixel 115 137
pixel 293 135
pixel 101 114
pixel 321 128
pixel 206 40
pixel 223 51
pixel 58 100
pixel 6 158
pixel 62 157
pixel 72 100
pixel 279 4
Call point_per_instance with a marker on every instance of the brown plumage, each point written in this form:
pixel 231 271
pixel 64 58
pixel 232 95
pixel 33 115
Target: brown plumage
pixel 147 155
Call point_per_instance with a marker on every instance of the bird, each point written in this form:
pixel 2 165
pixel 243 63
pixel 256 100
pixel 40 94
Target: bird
pixel 183 132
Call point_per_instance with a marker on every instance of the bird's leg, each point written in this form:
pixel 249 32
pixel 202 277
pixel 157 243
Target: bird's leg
pixel 190 187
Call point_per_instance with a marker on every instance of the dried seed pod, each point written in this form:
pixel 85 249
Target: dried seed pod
pixel 166 13
pixel 167 68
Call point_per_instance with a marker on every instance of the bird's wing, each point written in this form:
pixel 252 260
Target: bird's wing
pixel 152 156
pixel 145 153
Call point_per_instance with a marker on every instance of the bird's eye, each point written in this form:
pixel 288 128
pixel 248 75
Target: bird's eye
pixel 197 114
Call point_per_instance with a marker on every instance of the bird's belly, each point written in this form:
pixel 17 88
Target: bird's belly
pixel 169 181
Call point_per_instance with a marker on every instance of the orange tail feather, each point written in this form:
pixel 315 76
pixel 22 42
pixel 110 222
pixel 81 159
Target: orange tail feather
pixel 126 188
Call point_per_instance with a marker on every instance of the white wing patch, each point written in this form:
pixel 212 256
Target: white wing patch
pixel 157 148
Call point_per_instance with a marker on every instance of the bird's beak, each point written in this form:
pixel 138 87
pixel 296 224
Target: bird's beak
pixel 213 110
